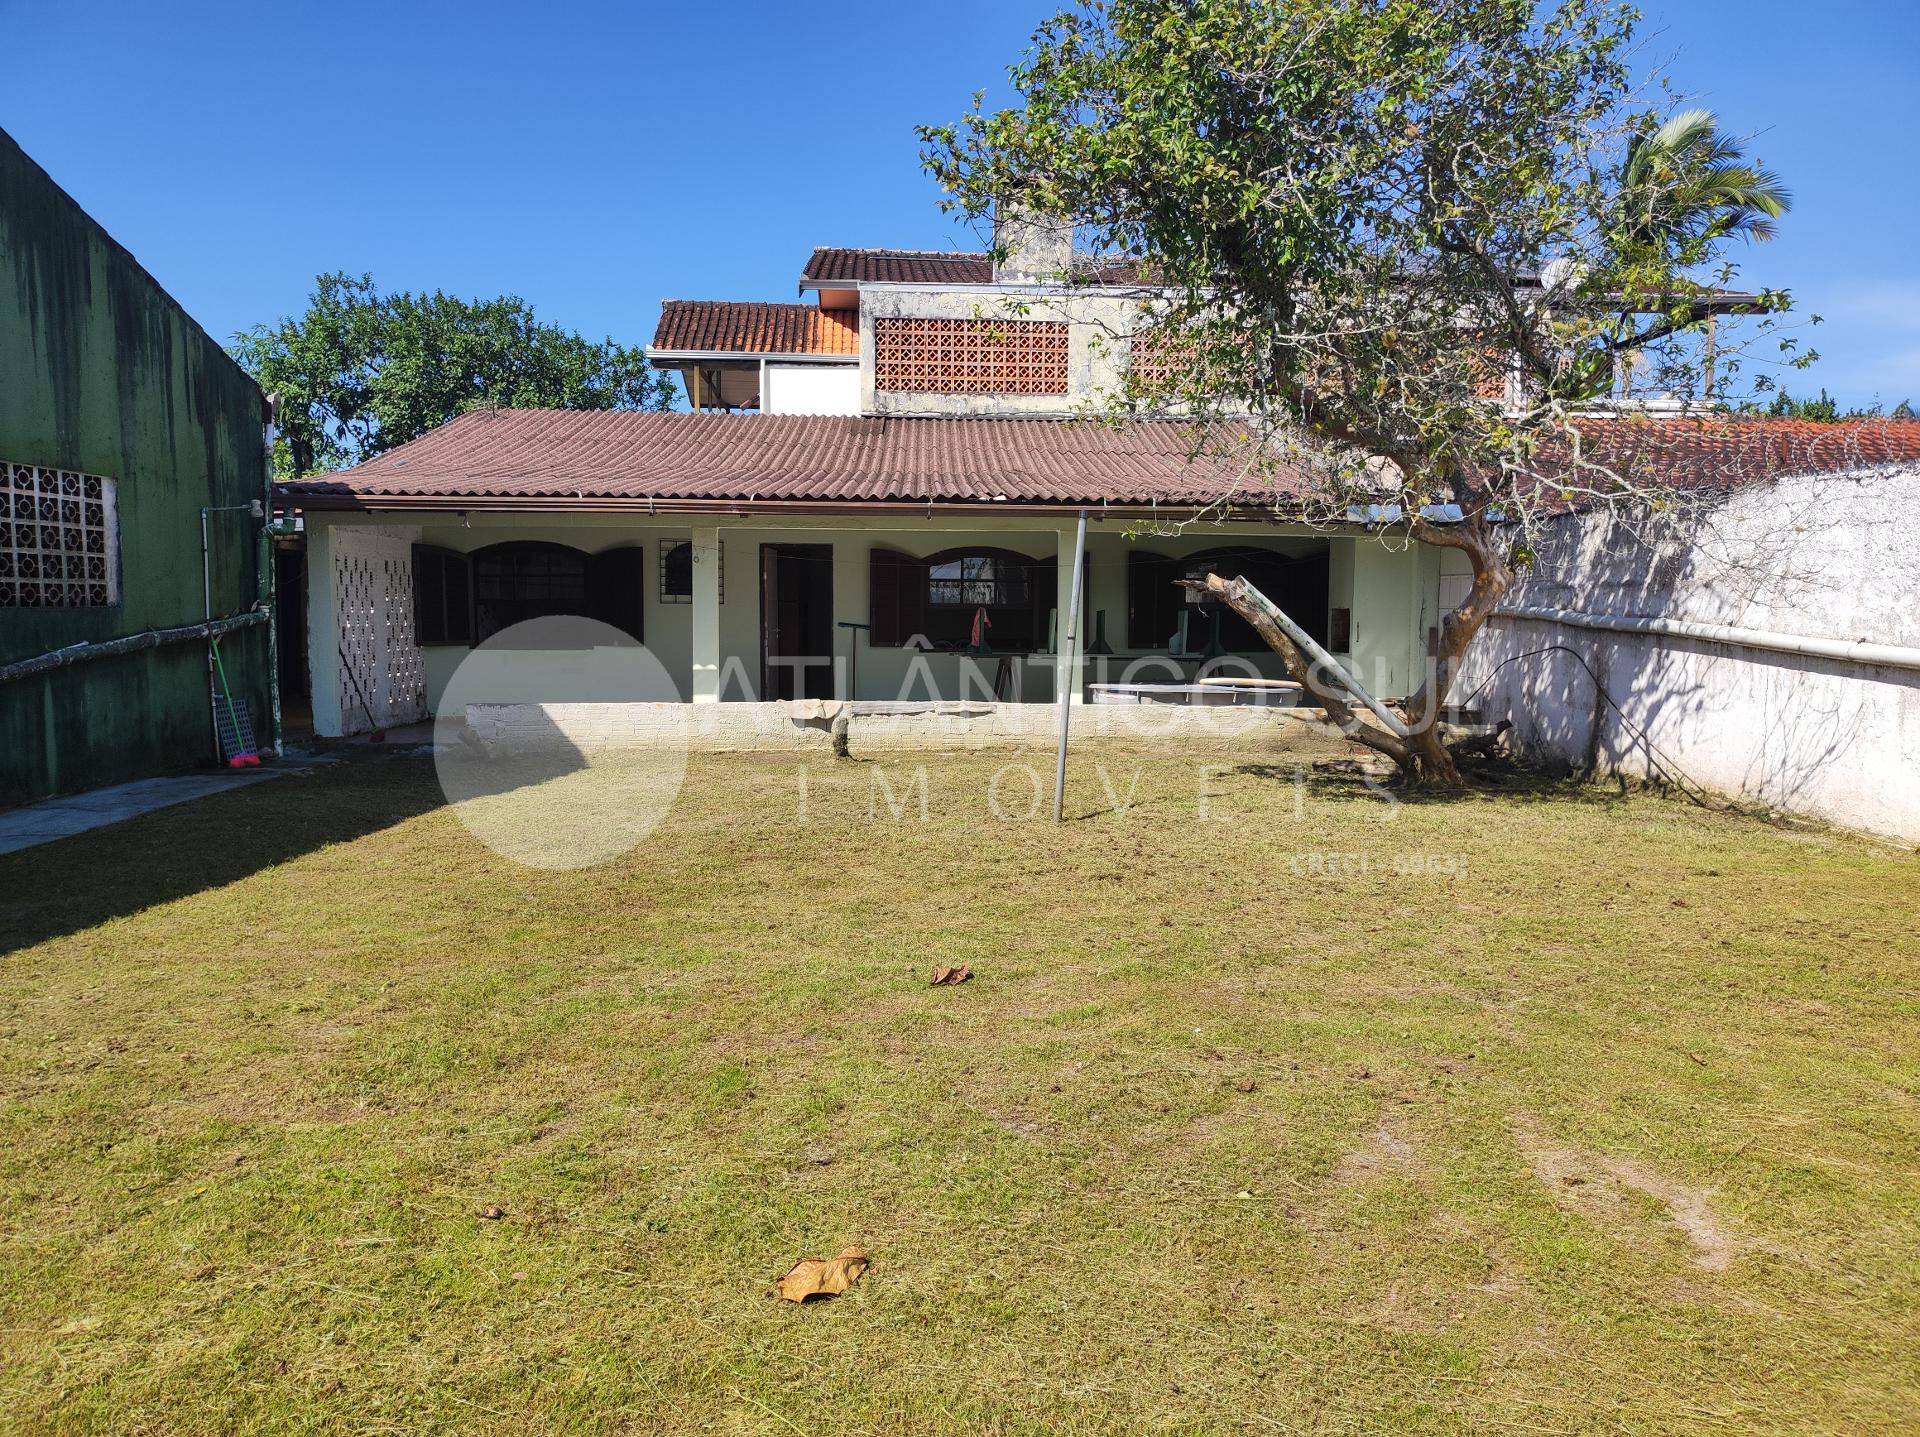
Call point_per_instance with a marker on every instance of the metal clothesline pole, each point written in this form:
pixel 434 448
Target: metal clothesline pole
pixel 1070 636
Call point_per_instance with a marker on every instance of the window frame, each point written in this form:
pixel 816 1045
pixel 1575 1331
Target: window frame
pixel 670 547
pixel 58 500
pixel 449 634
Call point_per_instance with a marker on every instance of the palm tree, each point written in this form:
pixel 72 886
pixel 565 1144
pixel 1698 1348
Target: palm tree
pixel 1685 180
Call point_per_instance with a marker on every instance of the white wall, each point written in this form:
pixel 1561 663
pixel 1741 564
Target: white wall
pixel 1833 557
pixel 367 670
pixel 881 672
pixel 811 389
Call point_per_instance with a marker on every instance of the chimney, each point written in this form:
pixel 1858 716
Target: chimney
pixel 1034 247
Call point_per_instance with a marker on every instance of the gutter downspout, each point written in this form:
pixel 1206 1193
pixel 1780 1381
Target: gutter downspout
pixel 1893 656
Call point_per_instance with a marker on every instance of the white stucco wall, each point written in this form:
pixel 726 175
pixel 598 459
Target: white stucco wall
pixel 1377 581
pixel 1832 557
pixel 811 389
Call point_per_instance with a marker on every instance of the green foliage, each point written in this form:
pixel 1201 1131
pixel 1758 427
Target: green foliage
pixel 1685 177
pixel 362 371
pixel 1826 409
pixel 1372 213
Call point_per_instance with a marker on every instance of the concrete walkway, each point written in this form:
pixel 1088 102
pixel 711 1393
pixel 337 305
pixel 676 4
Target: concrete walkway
pixel 63 817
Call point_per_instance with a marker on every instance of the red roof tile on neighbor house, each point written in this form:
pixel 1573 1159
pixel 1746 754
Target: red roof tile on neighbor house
pixel 895 266
pixel 1723 452
pixel 561 454
pixel 739 327
pixel 829 267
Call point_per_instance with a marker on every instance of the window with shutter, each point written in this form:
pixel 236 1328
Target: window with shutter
pixel 616 589
pixel 1297 585
pixel 1153 604
pixel 1015 590
pixel 442 596
pixel 526 580
pixel 896 597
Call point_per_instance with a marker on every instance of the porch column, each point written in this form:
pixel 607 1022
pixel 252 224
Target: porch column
pixel 706 616
pixel 1072 675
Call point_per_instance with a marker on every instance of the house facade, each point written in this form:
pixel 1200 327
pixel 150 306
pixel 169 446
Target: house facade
pixel 875 496
pixel 133 491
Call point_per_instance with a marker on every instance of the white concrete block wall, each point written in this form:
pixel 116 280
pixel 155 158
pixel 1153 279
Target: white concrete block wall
pixel 806 727
pixel 360 602
pixel 1832 558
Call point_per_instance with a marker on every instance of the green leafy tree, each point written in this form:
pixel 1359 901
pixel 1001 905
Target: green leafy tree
pixel 1826 409
pixel 1365 218
pixel 362 371
pixel 1683 176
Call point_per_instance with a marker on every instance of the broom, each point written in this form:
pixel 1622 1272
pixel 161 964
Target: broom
pixel 379 735
pixel 244 754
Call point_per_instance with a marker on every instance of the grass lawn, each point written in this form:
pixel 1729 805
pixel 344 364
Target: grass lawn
pixel 1544 1111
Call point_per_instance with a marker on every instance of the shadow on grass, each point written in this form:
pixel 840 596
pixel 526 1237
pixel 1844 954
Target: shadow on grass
pixel 1513 785
pixel 73 884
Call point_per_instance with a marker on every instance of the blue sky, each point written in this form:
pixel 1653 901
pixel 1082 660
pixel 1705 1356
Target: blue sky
pixel 599 157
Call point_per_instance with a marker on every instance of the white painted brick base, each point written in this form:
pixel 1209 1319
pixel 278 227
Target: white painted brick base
pixel 806 726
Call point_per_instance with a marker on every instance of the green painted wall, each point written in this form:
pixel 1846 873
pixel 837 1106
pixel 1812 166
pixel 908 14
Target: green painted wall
pixel 101 371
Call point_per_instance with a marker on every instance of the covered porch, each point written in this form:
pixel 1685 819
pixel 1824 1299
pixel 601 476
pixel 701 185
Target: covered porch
pixel 756 607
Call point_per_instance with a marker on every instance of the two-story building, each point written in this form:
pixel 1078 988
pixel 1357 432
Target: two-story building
pixel 874 495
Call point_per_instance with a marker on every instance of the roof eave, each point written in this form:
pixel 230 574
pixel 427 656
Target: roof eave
pixel 684 356
pixel 747 508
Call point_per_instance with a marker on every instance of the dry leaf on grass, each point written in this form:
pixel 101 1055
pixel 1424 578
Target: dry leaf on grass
pixel 946 977
pixel 823 1276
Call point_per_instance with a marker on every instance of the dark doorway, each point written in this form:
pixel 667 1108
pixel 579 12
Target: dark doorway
pixel 290 638
pixel 796 621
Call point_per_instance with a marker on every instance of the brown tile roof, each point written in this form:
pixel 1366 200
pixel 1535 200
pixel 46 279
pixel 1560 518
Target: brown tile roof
pixel 566 454
pixel 828 267
pixel 545 453
pixel 895 266
pixel 740 327
pixel 1722 452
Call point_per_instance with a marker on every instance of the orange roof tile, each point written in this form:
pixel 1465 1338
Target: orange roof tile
pixel 719 326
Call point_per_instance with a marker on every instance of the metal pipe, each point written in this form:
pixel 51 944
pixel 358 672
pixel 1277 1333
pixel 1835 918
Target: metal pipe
pixel 259 511
pixel 1066 681
pixel 267 586
pixel 128 644
pixel 1893 656
pixel 289 498
pixel 1346 680
pixel 1846 650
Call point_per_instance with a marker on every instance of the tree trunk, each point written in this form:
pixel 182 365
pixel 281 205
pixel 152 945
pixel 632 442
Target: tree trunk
pixel 1492 577
pixel 1423 756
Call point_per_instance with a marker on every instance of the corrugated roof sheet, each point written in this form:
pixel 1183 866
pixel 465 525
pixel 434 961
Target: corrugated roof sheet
pixel 743 327
pixel 560 454
pixel 1722 451
pixel 540 453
